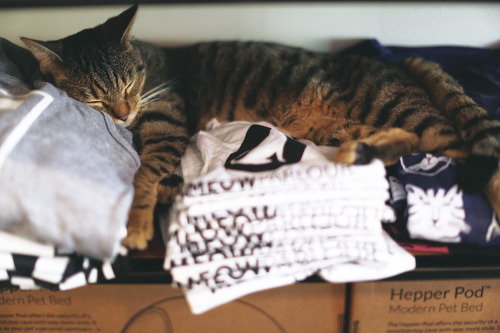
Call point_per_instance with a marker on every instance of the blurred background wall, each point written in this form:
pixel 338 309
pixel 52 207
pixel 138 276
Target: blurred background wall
pixel 321 26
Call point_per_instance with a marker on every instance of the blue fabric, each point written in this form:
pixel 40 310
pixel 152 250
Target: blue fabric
pixel 429 205
pixel 477 69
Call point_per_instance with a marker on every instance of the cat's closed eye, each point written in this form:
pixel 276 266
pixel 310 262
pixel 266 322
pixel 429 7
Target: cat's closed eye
pixel 128 89
pixel 96 103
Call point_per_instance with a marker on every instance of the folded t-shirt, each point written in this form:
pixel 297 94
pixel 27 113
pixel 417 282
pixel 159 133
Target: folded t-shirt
pixel 66 170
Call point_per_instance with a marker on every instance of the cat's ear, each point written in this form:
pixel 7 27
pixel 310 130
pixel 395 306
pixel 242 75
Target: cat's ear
pixel 118 28
pixel 47 54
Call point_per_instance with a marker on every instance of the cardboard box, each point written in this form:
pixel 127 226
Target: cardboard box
pixel 425 306
pixel 304 307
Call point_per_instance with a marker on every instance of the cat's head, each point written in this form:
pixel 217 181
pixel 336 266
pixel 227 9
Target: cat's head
pixel 97 66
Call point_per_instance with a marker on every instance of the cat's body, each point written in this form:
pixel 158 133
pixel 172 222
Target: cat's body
pixel 367 108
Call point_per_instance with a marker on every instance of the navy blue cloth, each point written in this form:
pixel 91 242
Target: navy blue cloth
pixel 431 206
pixel 477 69
pixel 428 203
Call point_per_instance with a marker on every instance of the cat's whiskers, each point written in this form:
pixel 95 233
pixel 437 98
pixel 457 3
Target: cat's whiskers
pixel 150 101
pixel 152 95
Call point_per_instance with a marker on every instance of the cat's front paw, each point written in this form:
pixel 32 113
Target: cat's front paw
pixel 354 153
pixel 140 230
pixel 135 240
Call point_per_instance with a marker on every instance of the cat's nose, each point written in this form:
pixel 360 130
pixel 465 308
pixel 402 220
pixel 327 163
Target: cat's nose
pixel 121 111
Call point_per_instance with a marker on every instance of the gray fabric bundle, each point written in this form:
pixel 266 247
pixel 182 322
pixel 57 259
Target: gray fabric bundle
pixel 66 170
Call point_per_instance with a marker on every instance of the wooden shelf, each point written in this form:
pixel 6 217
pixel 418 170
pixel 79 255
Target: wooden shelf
pixel 68 3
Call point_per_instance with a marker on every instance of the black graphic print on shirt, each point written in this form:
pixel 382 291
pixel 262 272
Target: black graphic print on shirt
pixel 290 152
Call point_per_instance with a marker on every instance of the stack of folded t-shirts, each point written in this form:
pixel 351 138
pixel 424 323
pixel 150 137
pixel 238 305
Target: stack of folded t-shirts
pixel 66 182
pixel 261 210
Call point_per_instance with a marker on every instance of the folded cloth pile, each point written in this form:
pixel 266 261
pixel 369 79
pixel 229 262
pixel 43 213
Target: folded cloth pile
pixel 66 178
pixel 32 265
pixel 261 210
pixel 431 206
pixel 429 202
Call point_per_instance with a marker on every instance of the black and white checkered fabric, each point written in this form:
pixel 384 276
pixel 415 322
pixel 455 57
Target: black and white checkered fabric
pixel 32 265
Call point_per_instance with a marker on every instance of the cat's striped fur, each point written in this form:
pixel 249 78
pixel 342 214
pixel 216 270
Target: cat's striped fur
pixel 367 108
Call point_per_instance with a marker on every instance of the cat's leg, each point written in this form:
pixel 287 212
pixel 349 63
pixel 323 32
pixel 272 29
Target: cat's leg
pixel 492 192
pixel 385 144
pixel 443 140
pixel 149 193
pixel 357 143
pixel 480 131
pixel 140 227
pixel 160 135
pixel 474 125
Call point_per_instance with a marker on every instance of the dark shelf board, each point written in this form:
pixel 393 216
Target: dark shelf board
pixel 68 3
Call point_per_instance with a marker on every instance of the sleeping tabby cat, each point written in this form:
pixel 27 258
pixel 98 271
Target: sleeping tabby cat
pixel 367 108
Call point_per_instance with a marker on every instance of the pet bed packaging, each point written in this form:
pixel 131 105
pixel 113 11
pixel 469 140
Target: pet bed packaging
pixel 425 306
pixel 305 307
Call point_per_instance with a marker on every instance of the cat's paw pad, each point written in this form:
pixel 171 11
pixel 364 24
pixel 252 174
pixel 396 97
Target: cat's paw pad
pixel 137 239
pixel 140 229
pixel 354 153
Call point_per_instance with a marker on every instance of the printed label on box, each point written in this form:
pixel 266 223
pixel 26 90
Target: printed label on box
pixel 425 306
pixel 314 307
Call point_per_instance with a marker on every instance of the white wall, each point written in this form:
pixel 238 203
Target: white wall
pixel 322 26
